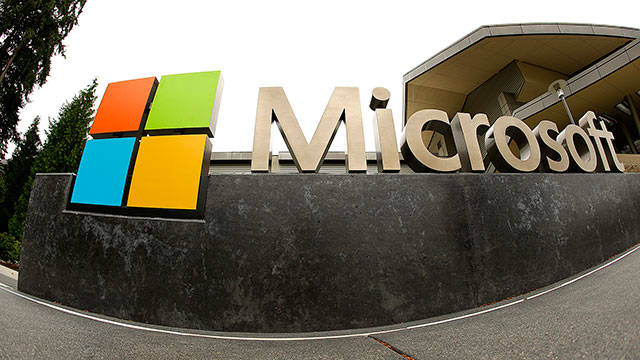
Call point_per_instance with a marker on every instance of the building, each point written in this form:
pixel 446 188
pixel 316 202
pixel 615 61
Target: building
pixel 506 70
pixel 309 253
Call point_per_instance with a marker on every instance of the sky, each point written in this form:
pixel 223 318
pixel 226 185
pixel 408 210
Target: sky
pixel 308 48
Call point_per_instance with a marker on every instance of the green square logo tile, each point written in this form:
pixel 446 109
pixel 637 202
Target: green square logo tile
pixel 186 103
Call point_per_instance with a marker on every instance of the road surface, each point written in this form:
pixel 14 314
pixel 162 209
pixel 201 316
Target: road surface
pixel 594 315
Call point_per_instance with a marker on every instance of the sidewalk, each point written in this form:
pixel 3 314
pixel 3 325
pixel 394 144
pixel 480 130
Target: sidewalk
pixel 8 272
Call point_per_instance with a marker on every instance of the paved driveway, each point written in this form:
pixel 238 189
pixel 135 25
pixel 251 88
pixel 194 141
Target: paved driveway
pixel 596 316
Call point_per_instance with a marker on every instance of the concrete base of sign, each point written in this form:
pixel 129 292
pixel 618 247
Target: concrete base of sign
pixel 292 253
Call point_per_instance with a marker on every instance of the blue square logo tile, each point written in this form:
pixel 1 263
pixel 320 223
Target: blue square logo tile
pixel 102 173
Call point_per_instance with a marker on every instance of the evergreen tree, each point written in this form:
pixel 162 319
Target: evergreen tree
pixel 61 151
pixel 31 32
pixel 17 172
pixel 8 245
pixel 2 181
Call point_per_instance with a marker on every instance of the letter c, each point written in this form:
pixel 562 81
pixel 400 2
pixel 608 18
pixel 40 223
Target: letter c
pixel 413 149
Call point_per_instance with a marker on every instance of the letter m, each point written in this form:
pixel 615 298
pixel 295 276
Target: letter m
pixel 344 105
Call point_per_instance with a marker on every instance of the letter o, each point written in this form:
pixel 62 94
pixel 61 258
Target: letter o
pixel 498 147
pixel 582 155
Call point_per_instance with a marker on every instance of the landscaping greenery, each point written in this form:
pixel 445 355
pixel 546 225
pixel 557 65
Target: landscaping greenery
pixel 16 173
pixel 60 152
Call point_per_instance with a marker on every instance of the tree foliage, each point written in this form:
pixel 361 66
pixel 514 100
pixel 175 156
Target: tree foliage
pixel 17 172
pixel 9 247
pixel 67 134
pixel 14 175
pixel 61 151
pixel 31 32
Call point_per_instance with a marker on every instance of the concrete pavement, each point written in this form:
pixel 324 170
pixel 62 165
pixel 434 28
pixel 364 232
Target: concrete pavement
pixel 595 316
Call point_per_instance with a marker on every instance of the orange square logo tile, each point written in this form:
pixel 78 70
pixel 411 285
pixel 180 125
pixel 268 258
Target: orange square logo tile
pixel 123 107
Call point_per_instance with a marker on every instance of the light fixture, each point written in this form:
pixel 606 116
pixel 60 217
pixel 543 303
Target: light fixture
pixel 559 87
pixel 610 121
pixel 624 108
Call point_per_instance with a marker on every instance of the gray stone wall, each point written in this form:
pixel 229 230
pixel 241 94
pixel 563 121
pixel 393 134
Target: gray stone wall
pixel 288 253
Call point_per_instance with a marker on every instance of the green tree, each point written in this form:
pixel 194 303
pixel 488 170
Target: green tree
pixel 2 181
pixel 9 247
pixel 31 32
pixel 17 171
pixel 61 151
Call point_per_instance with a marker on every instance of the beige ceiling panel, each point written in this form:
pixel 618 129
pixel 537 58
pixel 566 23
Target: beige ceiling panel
pixel 469 68
pixel 555 113
pixel 523 43
pixel 583 52
pixel 627 79
pixel 442 82
pixel 600 97
pixel 600 93
pixel 579 106
pixel 568 59
pixel 465 71
pixel 413 106
pixel 559 53
pixel 555 60
pixel 603 44
pixel 461 73
pixel 430 94
pixel 498 44
pixel 536 81
pixel 485 61
pixel 545 57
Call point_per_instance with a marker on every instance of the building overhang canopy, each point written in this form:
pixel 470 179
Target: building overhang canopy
pixel 447 78
pixel 599 95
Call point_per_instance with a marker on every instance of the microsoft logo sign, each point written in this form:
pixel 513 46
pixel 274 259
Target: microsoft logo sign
pixel 150 150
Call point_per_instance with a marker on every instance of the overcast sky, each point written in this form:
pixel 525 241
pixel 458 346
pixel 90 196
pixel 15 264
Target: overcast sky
pixel 306 47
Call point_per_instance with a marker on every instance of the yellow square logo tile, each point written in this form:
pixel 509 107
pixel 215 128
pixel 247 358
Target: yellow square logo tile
pixel 169 171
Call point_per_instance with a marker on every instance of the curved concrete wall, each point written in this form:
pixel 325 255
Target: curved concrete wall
pixel 286 253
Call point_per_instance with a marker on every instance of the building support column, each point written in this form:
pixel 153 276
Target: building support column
pixel 634 112
pixel 627 136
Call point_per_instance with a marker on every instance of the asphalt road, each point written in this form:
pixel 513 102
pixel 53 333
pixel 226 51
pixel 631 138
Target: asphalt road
pixel 597 316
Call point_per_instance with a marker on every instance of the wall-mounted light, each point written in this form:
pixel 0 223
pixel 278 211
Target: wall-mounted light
pixel 559 87
pixel 624 108
pixel 610 121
